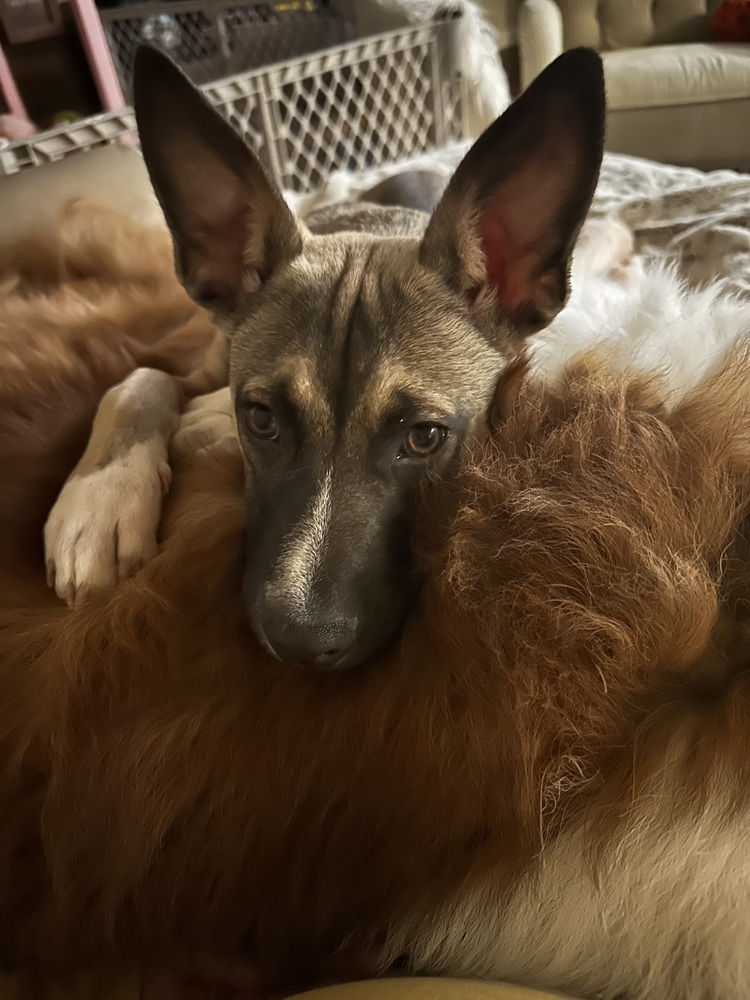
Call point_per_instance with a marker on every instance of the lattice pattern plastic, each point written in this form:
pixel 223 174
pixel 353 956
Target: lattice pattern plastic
pixel 364 104
pixel 216 38
pixel 242 99
pixel 57 143
pixel 372 102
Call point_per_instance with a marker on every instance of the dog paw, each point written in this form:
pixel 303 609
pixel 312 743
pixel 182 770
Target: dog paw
pixel 624 266
pixel 208 424
pixel 607 247
pixel 103 526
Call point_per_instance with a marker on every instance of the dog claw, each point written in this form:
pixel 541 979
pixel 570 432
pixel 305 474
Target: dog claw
pixel 165 477
pixel 51 575
pixel 71 595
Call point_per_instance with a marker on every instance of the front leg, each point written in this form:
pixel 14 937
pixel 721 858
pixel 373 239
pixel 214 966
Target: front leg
pixel 103 525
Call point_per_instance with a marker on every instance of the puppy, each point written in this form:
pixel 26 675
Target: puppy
pixel 360 355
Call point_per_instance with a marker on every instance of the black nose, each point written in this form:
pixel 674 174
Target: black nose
pixel 322 644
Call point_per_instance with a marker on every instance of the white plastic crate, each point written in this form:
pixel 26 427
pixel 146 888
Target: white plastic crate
pixel 72 137
pixel 363 104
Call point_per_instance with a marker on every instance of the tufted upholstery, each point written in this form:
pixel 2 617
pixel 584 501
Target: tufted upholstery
pixel 621 24
pixel 673 94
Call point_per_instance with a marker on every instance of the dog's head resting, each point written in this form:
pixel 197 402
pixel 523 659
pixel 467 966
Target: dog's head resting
pixel 359 364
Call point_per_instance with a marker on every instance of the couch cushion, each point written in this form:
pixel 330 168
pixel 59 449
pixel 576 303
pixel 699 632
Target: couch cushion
pixel 115 175
pixel 617 24
pixel 429 989
pixel 664 75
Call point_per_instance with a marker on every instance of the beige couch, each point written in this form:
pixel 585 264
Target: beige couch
pixel 429 989
pixel 115 175
pixel 674 95
pixel 120 985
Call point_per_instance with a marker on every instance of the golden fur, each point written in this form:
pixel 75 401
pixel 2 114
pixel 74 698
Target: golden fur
pixel 78 314
pixel 165 786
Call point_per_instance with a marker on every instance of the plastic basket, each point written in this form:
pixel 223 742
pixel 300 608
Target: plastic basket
pixel 367 103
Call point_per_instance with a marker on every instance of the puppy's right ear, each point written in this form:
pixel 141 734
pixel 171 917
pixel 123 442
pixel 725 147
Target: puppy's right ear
pixel 504 232
pixel 230 225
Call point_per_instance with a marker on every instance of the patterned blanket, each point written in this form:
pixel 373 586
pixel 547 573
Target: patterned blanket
pixel 699 220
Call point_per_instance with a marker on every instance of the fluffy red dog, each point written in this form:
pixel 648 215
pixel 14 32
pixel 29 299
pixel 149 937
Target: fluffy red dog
pixel 547 781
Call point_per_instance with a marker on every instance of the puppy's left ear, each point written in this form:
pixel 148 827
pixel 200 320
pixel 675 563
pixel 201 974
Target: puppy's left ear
pixel 230 225
pixel 504 231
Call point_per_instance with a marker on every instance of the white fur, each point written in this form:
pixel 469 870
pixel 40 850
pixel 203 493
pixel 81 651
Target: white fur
pixel 301 558
pixel 650 321
pixel 665 915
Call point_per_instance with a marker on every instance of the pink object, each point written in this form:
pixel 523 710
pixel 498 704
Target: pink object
pixel 9 90
pixel 98 54
pixel 12 127
pixel 16 124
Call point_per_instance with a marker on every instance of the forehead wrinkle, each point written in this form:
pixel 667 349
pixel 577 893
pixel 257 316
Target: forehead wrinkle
pixel 382 389
pixel 300 379
pixel 346 289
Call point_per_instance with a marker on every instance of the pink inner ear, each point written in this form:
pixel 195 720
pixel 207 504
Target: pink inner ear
pixel 505 260
pixel 216 266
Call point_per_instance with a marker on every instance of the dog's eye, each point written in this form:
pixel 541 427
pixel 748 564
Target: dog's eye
pixel 261 422
pixel 423 440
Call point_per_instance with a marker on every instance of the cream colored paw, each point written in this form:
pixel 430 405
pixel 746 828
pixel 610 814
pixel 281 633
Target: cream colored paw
pixel 103 526
pixel 607 247
pixel 208 424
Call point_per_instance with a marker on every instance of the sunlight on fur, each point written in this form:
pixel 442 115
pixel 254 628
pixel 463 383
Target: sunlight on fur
pixel 547 782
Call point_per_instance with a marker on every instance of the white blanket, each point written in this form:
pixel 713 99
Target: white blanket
pixel 700 220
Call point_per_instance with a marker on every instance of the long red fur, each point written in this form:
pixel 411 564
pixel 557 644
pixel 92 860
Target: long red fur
pixel 165 787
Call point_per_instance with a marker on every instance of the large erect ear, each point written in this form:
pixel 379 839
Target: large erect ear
pixel 504 231
pixel 230 225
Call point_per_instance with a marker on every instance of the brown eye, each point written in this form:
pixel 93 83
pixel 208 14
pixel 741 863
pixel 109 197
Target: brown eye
pixel 423 440
pixel 262 423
